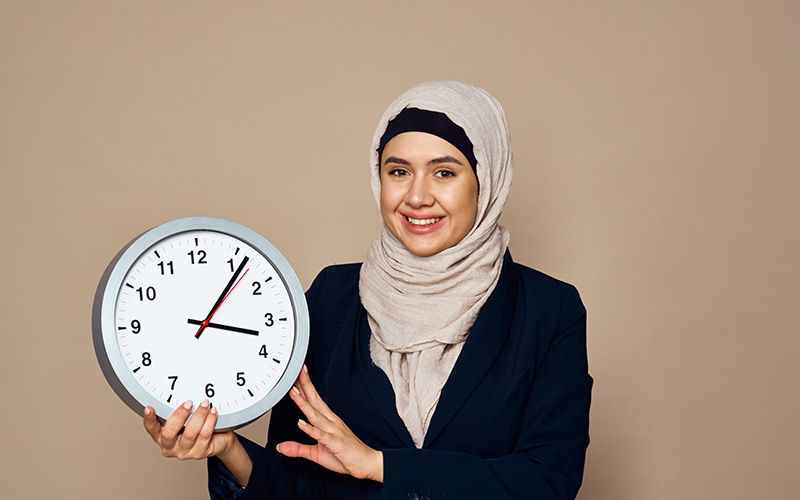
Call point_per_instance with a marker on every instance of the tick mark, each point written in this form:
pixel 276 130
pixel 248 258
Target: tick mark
pixel 276 360
pixel 156 252
pixel 137 369
pixel 128 285
pixel 250 392
pixel 267 280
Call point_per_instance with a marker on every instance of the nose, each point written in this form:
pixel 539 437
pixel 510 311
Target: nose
pixel 419 192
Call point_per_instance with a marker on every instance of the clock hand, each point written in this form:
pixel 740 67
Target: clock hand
pixel 224 295
pixel 223 327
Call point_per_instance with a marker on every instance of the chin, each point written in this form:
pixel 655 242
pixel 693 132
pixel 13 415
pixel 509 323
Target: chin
pixel 422 245
pixel 423 253
pixel 424 250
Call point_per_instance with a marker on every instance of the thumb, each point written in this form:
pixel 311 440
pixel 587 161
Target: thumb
pixel 290 449
pixel 151 424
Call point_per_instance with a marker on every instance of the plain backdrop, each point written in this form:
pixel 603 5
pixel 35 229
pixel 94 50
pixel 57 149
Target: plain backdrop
pixel 656 151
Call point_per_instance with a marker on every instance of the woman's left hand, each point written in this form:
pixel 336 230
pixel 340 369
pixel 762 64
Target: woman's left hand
pixel 337 448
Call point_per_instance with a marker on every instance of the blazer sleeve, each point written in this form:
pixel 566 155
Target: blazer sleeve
pixel 548 456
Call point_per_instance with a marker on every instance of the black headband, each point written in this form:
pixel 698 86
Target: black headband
pixel 431 122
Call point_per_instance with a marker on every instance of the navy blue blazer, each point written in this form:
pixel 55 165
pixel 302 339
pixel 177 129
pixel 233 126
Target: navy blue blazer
pixel 512 421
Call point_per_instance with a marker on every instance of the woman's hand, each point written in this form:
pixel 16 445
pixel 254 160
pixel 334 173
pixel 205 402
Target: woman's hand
pixel 337 448
pixel 197 441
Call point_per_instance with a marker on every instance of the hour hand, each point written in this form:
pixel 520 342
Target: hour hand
pixel 223 327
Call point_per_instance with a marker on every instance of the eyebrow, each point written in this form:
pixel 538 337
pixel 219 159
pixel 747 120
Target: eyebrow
pixel 434 161
pixel 394 159
pixel 444 159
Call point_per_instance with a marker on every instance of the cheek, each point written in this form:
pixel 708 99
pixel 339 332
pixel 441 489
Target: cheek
pixel 471 213
pixel 464 205
pixel 467 215
pixel 388 201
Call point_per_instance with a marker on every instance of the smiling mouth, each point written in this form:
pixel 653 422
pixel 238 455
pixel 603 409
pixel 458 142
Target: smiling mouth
pixel 423 222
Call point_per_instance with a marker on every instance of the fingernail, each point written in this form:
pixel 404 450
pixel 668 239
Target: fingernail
pixel 278 449
pixel 295 390
pixel 147 411
pixel 302 422
pixel 204 404
pixel 213 410
pixel 305 369
pixel 188 404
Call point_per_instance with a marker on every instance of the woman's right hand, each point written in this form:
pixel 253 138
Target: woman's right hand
pixel 197 441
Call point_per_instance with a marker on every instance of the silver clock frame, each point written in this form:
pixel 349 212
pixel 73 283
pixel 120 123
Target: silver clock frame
pixel 103 318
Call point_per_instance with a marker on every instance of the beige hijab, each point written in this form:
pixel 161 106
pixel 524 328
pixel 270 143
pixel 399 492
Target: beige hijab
pixel 420 309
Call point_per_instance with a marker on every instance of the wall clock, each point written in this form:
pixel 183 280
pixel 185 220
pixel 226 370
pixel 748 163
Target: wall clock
pixel 200 308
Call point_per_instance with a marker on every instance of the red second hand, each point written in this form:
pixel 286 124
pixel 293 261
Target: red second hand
pixel 208 319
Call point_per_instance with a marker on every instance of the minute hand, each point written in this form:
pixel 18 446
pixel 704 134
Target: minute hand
pixel 224 295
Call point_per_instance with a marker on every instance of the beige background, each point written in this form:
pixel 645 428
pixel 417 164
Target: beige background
pixel 656 150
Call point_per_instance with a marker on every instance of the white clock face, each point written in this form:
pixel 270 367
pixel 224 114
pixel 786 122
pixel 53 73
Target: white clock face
pixel 203 315
pixel 193 314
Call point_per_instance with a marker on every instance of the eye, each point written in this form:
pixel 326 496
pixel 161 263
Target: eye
pixel 397 172
pixel 445 173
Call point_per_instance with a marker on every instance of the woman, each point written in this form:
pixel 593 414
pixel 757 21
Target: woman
pixel 437 369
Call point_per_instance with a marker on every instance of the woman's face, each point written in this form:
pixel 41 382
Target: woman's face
pixel 429 193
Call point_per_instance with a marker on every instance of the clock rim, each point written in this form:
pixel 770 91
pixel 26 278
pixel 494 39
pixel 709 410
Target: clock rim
pixel 104 325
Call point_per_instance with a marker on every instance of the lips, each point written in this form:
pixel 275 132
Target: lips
pixel 422 225
pixel 423 222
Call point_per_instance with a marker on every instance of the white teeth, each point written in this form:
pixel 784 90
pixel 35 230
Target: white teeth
pixel 423 222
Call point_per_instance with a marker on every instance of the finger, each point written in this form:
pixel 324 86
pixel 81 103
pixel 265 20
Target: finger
pixel 310 452
pixel 310 394
pixel 311 413
pixel 195 423
pixel 207 432
pixel 315 433
pixel 305 386
pixel 151 424
pixel 174 424
pixel 293 449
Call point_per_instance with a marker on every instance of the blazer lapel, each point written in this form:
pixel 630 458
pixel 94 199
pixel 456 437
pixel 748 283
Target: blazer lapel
pixel 484 343
pixel 378 385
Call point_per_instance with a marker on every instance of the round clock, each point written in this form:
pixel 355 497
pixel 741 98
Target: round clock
pixel 201 308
